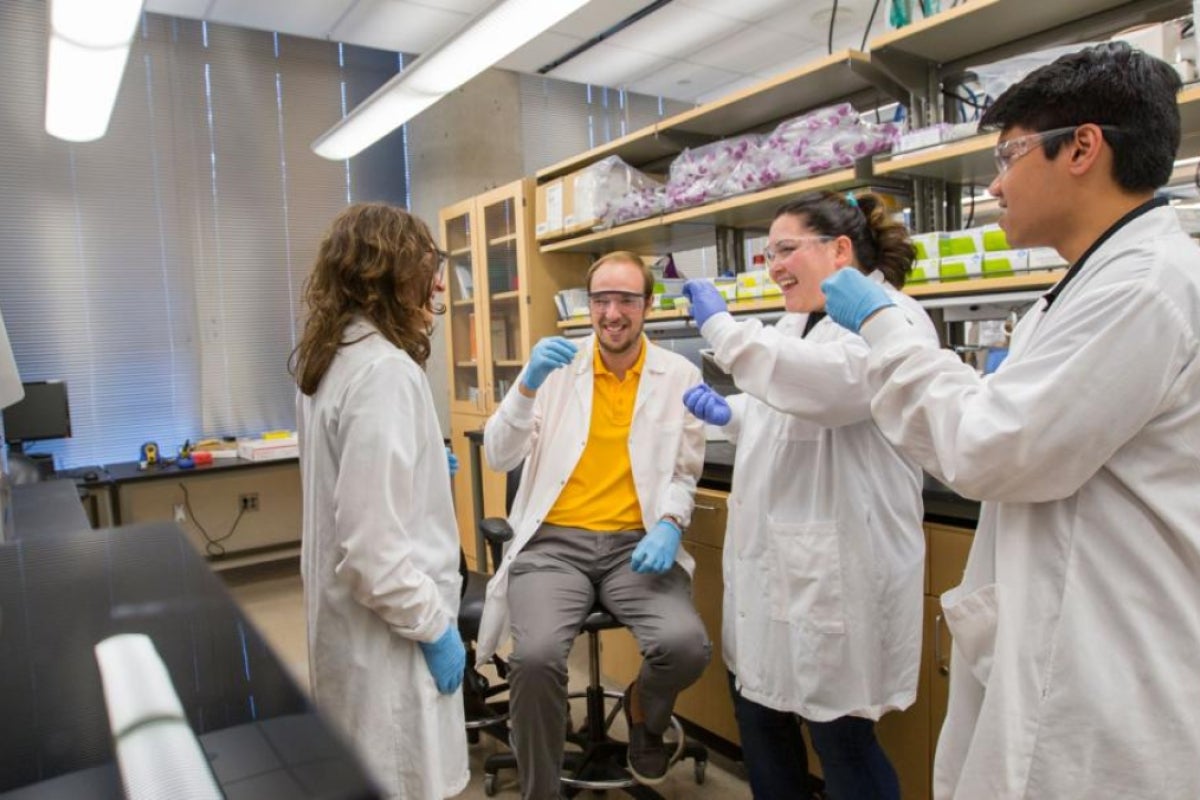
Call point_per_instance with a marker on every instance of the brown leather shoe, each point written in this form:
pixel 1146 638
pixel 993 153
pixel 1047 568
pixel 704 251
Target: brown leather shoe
pixel 647 755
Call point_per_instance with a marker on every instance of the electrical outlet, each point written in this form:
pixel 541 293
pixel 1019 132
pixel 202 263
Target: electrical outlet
pixel 180 513
pixel 248 502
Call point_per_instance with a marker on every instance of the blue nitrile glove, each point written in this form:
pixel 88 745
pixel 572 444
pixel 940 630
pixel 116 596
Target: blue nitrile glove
pixel 453 461
pixel 656 551
pixel 548 355
pixel 446 659
pixel 705 300
pixel 851 297
pixel 706 404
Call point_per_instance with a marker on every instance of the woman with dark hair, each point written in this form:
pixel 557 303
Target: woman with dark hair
pixel 380 549
pixel 824 550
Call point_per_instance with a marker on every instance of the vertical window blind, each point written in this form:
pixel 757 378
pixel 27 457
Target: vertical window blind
pixel 158 270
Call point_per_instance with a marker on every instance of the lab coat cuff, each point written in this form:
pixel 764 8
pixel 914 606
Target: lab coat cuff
pixel 717 327
pixel 888 325
pixel 519 408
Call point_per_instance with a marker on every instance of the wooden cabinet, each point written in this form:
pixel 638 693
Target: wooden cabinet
pixel 499 302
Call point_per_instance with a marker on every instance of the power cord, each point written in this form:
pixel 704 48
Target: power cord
pixel 870 22
pixel 832 19
pixel 213 546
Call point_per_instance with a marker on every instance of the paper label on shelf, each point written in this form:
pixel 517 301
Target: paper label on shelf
pixel 554 206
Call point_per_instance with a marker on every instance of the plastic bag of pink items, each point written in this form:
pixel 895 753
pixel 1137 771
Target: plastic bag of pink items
pixel 781 159
pixel 611 191
pixel 703 174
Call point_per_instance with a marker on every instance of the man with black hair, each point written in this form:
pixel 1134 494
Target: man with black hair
pixel 1076 628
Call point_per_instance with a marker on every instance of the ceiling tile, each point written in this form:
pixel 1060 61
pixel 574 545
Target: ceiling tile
pixel 749 50
pixel 298 17
pixel 190 9
pixel 607 65
pixel 469 7
pixel 597 17
pixel 541 51
pixel 744 10
pixel 675 31
pixel 398 25
pixel 681 80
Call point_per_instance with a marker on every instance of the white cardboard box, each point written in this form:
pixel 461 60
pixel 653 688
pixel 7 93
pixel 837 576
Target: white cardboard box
pixel 268 449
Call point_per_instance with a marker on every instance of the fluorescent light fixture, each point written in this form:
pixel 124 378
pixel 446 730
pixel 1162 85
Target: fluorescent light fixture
pixel 495 33
pixel 89 45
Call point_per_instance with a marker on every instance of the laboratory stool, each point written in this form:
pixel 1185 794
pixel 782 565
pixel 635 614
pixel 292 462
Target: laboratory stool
pixel 599 764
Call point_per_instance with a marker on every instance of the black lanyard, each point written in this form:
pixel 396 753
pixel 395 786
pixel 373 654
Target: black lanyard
pixel 1149 205
pixel 811 322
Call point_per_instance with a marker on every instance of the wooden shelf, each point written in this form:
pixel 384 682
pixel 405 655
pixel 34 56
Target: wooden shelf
pixel 462 251
pixel 501 297
pixel 845 75
pixel 466 364
pixel 1011 283
pixel 463 303
pixel 966 161
pixel 509 364
pixel 509 238
pixel 981 25
pixel 693 227
pixel 924 291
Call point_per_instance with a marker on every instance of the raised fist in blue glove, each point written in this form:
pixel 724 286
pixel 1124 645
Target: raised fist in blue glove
pixel 548 355
pixel 446 659
pixel 705 300
pixel 851 297
pixel 655 553
pixel 706 404
pixel 452 460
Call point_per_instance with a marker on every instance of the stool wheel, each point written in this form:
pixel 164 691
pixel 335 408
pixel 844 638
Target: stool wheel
pixel 489 784
pixel 699 770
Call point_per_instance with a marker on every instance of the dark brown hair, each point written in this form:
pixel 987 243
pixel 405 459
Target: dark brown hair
pixel 880 243
pixel 627 256
pixel 376 261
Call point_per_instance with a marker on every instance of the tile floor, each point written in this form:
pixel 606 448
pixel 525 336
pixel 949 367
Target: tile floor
pixel 270 595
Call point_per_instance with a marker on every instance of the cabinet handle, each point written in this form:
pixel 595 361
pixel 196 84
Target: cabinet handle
pixel 942 667
pixel 702 507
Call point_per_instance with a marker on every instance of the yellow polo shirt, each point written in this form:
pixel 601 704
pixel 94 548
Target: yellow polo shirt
pixel 600 494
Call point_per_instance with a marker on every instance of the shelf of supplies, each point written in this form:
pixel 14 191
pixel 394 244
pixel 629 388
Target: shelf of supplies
pixel 505 297
pixel 845 75
pixel 508 238
pixel 1031 280
pixel 981 25
pixel 966 161
pixel 693 227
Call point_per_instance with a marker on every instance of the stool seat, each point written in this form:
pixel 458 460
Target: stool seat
pixel 598 619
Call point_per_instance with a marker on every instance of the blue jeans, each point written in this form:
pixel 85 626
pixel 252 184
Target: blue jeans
pixel 855 766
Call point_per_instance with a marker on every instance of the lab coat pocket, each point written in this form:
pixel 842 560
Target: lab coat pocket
pixel 806 587
pixel 972 618
pixel 666 444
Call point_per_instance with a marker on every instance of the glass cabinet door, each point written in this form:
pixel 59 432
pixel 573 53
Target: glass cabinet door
pixel 501 227
pixel 466 389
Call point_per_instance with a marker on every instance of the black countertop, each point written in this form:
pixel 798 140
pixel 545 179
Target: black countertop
pixel 62 593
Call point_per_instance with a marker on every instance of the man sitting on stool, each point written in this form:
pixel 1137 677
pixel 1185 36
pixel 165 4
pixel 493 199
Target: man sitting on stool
pixel 611 463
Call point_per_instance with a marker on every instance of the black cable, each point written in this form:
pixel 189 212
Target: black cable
pixel 971 214
pixel 213 546
pixel 1196 177
pixel 972 103
pixel 870 22
pixel 832 19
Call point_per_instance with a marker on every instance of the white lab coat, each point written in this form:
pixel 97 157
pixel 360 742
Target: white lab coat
pixel 1075 669
pixel 379 559
pixel 824 551
pixel 550 431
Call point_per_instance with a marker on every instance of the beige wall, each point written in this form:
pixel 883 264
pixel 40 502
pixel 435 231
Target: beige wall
pixel 465 144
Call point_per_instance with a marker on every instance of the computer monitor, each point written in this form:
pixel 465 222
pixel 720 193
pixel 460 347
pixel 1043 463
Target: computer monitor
pixel 43 414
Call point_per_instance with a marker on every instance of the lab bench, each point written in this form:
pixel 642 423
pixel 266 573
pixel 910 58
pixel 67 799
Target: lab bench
pixel 64 587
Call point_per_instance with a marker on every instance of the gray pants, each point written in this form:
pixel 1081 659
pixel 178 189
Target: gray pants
pixel 553 584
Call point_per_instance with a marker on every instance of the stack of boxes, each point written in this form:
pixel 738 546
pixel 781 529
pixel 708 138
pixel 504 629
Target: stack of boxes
pixel 982 252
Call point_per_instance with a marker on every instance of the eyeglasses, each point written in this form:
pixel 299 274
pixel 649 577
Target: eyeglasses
pixel 1010 150
pixel 625 301
pixel 783 249
pixel 443 258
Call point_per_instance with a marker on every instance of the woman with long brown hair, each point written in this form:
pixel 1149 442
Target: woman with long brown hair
pixel 380 549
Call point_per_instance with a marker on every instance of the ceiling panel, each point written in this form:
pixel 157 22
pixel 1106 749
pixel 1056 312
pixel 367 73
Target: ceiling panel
pixel 747 51
pixel 398 25
pixel 298 17
pixel 608 65
pixel 191 9
pixel 598 16
pixel 541 51
pixel 682 80
pixel 675 31
pixel 744 10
